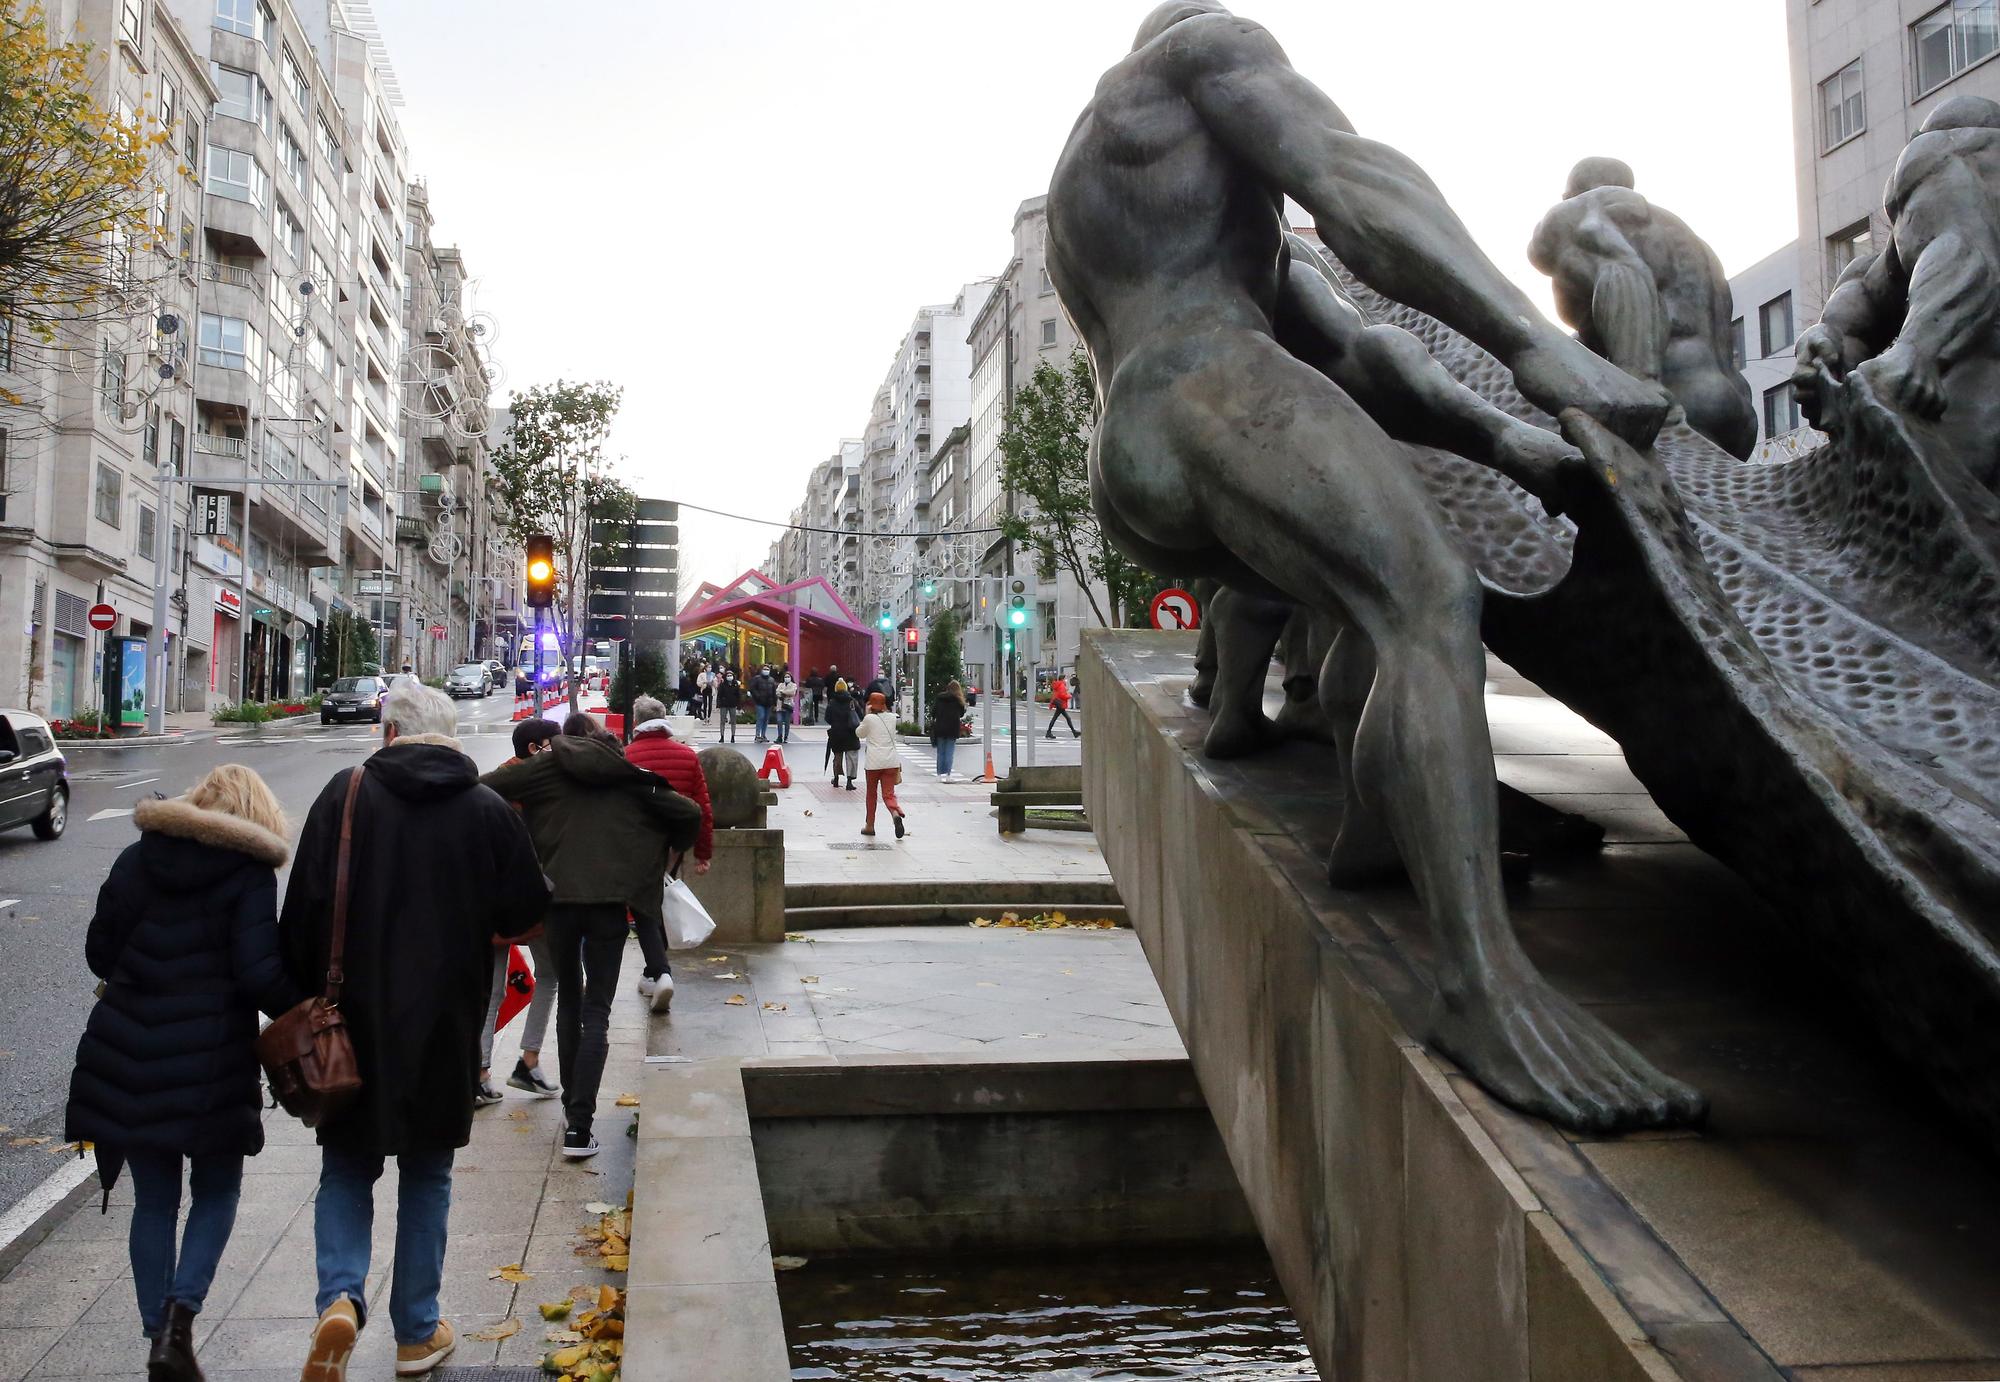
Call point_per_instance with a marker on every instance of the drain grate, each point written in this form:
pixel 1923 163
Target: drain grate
pixel 491 1374
pixel 861 844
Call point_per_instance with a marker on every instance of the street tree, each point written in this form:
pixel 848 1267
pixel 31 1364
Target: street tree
pixel 943 658
pixel 77 199
pixel 1045 449
pixel 554 478
pixel 347 648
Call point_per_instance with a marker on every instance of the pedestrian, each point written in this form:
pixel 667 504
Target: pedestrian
pixel 843 716
pixel 728 696
pixel 704 681
pixel 764 697
pixel 581 724
pixel 815 696
pixel 788 694
pixel 438 867
pixel 1059 708
pixel 879 687
pixel 530 738
pixel 185 937
pixel 881 761
pixel 947 721
pixel 606 831
pixel 655 749
pixel 684 693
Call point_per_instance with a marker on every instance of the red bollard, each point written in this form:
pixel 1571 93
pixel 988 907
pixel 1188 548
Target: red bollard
pixel 774 762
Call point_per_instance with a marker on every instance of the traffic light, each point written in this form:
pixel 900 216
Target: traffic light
pixel 928 589
pixel 1007 644
pixel 910 638
pixel 541 570
pixel 885 618
pixel 1017 603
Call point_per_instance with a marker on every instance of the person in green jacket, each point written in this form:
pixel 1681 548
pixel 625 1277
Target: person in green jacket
pixel 605 830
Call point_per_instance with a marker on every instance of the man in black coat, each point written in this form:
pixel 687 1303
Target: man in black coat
pixel 606 830
pixel 764 695
pixel 439 866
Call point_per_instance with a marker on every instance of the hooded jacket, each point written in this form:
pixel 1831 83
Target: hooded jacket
pixel 842 718
pixel 440 866
pixel 185 937
pixel 763 690
pixel 655 749
pixel 603 826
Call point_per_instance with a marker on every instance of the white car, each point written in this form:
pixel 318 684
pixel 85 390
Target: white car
pixel 468 679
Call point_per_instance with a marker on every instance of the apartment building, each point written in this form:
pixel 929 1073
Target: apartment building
pixel 1763 328
pixel 109 402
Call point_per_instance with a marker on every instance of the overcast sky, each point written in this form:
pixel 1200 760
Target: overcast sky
pixel 733 210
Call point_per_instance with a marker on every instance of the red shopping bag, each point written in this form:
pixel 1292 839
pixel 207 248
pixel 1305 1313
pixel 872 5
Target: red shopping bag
pixel 520 987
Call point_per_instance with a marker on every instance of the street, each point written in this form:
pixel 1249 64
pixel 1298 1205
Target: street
pixel 47 892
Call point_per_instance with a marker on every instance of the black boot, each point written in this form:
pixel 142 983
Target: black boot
pixel 172 1358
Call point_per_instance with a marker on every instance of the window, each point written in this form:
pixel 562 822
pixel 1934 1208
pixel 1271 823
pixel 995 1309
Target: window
pixel 239 94
pixel 170 105
pixel 150 444
pixel 1048 332
pixel 280 461
pixel 1736 344
pixel 319 353
pixel 292 157
pixel 1781 410
pixel 1846 247
pixel 323 209
pixel 1952 38
pixel 111 378
pixel 110 487
pixel 292 233
pixel 329 145
pixel 179 541
pixel 149 532
pixel 322 276
pixel 7 342
pixel 236 175
pixel 191 145
pixel 1774 324
pixel 227 342
pixel 251 18
pixel 1843 112
pixel 283 381
pixel 131 14
pixel 187 239
pixel 176 445
pixel 295 81
pixel 1047 285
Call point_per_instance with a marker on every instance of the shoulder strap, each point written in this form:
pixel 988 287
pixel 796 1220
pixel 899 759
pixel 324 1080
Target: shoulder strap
pixel 336 974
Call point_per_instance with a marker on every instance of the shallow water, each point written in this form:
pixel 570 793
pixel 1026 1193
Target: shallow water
pixel 1219 1317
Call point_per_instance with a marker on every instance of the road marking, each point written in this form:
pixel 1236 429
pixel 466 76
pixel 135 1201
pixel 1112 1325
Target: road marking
pixel 10 901
pixel 140 783
pixel 44 1197
pixel 109 813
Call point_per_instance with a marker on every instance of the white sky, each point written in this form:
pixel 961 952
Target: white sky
pixel 734 209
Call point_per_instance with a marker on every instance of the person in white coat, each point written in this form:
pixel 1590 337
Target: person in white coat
pixel 880 763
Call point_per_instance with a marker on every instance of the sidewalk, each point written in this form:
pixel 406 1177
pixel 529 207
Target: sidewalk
pixel 67 1310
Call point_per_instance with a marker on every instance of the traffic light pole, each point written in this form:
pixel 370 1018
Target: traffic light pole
pixel 535 678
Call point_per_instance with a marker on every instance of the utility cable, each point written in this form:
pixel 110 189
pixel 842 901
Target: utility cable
pixel 839 532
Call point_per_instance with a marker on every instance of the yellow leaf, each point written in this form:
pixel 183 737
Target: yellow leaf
pixel 511 1272
pixel 28 1142
pixel 810 979
pixel 506 1329
pixel 562 1336
pixel 618 1264
pixel 628 1101
pixel 735 1000
pixel 556 1309
pixel 610 1298
pixel 788 1263
pixel 774 1007
pixel 567 1358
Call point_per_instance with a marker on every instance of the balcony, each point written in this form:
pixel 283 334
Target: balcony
pixel 236 277
pixel 229 448
pixel 413 531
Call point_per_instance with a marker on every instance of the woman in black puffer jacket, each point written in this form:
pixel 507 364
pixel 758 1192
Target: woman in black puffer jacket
pixel 843 744
pixel 186 939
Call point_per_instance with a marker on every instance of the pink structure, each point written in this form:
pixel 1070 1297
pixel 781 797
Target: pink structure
pixel 817 627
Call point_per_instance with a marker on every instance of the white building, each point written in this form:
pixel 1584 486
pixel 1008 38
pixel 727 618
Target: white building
pixel 1763 327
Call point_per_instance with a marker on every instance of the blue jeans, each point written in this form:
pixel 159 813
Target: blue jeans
pixel 784 725
pixel 344 1225
pixel 157 1275
pixel 947 750
pixel 763 720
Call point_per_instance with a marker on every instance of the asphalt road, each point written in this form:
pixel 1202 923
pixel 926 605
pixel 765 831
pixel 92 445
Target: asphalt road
pixel 48 890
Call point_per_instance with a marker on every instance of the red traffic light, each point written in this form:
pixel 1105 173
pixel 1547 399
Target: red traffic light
pixel 910 637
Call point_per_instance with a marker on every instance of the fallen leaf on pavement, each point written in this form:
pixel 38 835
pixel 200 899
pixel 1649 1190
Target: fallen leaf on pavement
pixel 808 813
pixel 628 1101
pixel 562 1336
pixel 506 1329
pixel 730 975
pixel 717 960
pixel 810 979
pixel 788 1263
pixel 795 935
pixel 511 1272
pixel 553 1310
pixel 736 1000
pixel 28 1142
pixel 599 1207
pixel 619 1263
pixel 774 1007
pixel 982 921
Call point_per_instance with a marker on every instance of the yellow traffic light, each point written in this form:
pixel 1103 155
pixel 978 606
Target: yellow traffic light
pixel 539 570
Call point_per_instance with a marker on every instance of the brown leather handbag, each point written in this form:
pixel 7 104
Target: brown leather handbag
pixel 307 1053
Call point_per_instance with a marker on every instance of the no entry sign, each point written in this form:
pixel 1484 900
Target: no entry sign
pixel 102 617
pixel 1174 608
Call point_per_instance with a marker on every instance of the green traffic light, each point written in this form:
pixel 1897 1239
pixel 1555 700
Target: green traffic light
pixel 887 621
pixel 1017 617
pixel 929 589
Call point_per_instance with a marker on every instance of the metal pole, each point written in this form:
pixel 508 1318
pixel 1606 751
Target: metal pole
pixel 986 730
pixel 535 677
pixel 156 637
pixel 1030 751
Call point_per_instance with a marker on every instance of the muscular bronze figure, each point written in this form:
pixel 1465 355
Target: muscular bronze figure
pixel 1921 319
pixel 1222 451
pixel 1647 294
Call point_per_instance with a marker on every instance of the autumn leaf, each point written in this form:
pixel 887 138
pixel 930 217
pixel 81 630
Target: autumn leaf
pixel 737 977
pixel 599 1207
pixel 562 1336
pixel 795 935
pixel 28 1142
pixel 619 1263
pixel 511 1272
pixel 628 1101
pixel 735 1000
pixel 556 1309
pixel 810 979
pixel 788 1263
pixel 506 1329
pixel 774 1008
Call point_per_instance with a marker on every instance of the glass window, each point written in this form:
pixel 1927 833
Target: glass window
pixel 323 209
pixel 131 14
pixel 227 342
pixel 1843 112
pixel 1781 410
pixel 1048 331
pixel 292 157
pixel 6 342
pixel 236 175
pixel 291 233
pixel 1846 247
pixel 149 447
pixel 110 487
pixel 1952 38
pixel 295 81
pixel 329 145
pixel 1736 343
pixel 191 144
pixel 148 532
pixel 247 17
pixel 1774 324
pixel 170 104
pixel 111 378
pixel 176 445
pixel 236 91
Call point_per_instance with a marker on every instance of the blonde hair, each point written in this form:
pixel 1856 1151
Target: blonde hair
pixel 237 791
pixel 955 689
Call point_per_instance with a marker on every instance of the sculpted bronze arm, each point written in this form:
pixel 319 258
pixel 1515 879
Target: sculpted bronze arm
pixel 1954 300
pixel 1858 321
pixel 1602 286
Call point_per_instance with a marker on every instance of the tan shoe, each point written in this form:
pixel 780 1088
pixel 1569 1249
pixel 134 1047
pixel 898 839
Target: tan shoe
pixel 332 1342
pixel 414 1360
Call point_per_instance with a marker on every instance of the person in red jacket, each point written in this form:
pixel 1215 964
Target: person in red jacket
pixel 655 749
pixel 1059 708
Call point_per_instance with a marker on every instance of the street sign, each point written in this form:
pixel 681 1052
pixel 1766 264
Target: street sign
pixel 1174 608
pixel 295 630
pixel 211 514
pixel 438 631
pixel 102 617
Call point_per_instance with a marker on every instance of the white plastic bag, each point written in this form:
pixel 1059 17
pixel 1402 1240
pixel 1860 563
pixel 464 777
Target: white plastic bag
pixel 688 922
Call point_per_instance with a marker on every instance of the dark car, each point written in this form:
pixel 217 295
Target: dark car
pixel 34 776
pixel 353 698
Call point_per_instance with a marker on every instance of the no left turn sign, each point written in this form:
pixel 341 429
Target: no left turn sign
pixel 1174 608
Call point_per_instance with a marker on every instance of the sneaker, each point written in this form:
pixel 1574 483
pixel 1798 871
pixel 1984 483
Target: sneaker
pixel 578 1144
pixel 332 1342
pixel 662 996
pixel 647 986
pixel 486 1095
pixel 532 1080
pixel 867 830
pixel 414 1360
pixel 900 832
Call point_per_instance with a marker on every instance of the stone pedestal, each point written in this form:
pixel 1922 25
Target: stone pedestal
pixel 1829 1222
pixel 744 888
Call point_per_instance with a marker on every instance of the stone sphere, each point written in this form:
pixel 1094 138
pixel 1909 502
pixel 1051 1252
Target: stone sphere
pixel 734 792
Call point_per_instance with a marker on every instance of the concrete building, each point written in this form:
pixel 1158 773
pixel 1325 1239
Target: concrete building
pixel 109 402
pixel 1763 328
pixel 1865 73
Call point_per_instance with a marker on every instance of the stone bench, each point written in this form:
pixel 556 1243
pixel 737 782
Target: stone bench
pixel 1058 785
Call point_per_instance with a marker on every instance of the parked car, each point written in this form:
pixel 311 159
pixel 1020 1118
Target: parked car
pixel 468 679
pixel 496 671
pixel 353 698
pixel 34 776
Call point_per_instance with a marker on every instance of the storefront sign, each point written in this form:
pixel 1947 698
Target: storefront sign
pixel 216 558
pixel 228 601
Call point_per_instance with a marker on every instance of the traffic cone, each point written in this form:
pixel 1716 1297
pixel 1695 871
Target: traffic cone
pixel 989 778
